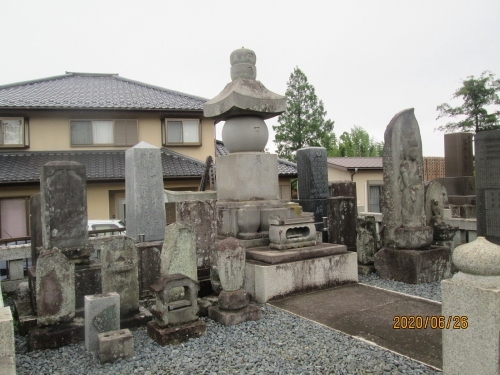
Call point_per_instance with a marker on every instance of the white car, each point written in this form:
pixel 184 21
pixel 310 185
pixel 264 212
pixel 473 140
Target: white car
pixel 106 224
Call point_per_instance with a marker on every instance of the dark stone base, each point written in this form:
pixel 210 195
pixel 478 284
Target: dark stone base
pixel 139 319
pixel 234 300
pixel 265 255
pixel 177 334
pixel 51 337
pixel 414 266
pixel 365 269
pixel 233 317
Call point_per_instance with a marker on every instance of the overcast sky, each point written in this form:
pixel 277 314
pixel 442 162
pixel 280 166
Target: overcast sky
pixel 367 59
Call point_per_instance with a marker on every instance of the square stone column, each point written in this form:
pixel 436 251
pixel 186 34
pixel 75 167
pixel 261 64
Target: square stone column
pixel 144 192
pixel 247 176
pixel 472 343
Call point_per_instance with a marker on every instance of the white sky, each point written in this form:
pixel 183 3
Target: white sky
pixel 367 59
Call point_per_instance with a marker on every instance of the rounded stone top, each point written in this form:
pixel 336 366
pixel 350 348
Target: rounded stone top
pixel 243 55
pixel 479 257
pixel 243 64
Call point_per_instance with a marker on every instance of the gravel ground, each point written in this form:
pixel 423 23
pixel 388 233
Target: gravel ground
pixel 280 343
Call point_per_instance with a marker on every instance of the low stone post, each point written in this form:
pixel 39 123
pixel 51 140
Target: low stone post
pixel 471 309
pixel 342 221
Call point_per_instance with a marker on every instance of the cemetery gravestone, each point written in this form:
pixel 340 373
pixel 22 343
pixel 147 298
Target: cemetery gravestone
pixel 407 254
pixel 120 272
pixel 145 202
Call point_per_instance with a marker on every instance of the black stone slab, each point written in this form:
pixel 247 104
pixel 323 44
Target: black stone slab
pixel 368 312
pixel 312 171
pixel 458 159
pixel 487 147
pixel 268 256
pixel 342 221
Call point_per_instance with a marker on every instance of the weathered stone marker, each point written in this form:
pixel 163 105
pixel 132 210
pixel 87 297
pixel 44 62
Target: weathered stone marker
pixel 64 210
pixel 488 184
pixel 55 288
pixel 471 303
pixel 144 192
pixel 234 301
pixel 407 254
pixel 102 314
pixel 120 272
pixel 179 251
pixel 312 170
pixel 342 221
pixel 115 345
pixel 458 161
pixel 35 226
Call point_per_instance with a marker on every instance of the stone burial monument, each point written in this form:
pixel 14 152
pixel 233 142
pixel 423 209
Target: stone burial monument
pixel 407 254
pixel 280 241
pixel 64 273
pixel 176 290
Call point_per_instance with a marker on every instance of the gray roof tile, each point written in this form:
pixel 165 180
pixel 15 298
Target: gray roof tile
pixel 94 91
pixel 25 166
pixel 285 168
pixel 374 162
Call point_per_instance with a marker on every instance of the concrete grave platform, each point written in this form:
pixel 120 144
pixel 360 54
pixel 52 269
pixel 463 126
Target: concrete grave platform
pixel 269 281
pixel 269 256
pixel 368 313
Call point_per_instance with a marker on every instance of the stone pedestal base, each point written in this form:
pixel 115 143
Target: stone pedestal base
pixel 233 317
pixel 414 266
pixel 115 345
pixel 473 345
pixel 55 336
pixel 177 334
pixel 247 176
pixel 293 271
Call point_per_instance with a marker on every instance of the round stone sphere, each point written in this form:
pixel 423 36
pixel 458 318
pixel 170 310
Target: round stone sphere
pixel 245 134
pixel 243 56
pixel 480 257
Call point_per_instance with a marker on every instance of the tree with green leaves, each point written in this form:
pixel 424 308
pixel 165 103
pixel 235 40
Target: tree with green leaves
pixel 477 94
pixel 357 143
pixel 303 124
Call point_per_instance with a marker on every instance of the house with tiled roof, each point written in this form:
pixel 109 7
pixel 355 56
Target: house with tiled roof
pixel 368 174
pixel 92 119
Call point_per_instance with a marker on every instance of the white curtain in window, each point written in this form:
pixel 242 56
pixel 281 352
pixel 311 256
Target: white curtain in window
pixel 12 131
pixel 13 218
pixel 102 132
pixel 191 134
pixel 174 131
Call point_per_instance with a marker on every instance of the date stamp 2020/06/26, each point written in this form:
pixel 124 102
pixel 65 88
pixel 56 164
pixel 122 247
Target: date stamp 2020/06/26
pixel 432 321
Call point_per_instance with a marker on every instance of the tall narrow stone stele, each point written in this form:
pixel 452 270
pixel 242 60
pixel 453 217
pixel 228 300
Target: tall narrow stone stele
pixel 64 209
pixel 55 288
pixel 407 254
pixel 179 251
pixel 403 193
pixel 120 272
pixel 144 192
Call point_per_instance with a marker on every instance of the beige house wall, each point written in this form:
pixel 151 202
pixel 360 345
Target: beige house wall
pixel 50 131
pixel 361 178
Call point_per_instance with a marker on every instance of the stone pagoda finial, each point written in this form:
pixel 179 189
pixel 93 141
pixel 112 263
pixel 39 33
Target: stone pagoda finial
pixel 244 104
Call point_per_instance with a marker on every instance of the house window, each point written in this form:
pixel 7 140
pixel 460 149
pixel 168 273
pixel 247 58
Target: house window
pixel 14 217
pixel 181 132
pixel 13 132
pixel 103 132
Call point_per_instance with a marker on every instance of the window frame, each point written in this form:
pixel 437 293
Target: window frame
pixel 164 132
pixel 24 132
pixel 115 143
